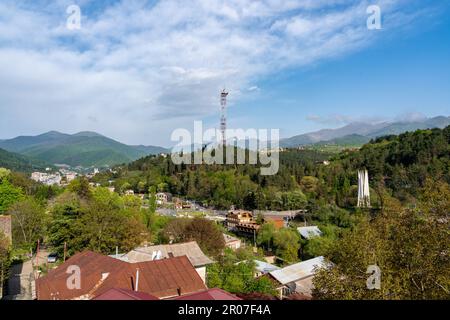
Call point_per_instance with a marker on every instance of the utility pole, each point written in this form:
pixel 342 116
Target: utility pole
pixel 65 251
pixel 37 254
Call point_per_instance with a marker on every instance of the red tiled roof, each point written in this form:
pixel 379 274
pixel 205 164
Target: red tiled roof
pixel 162 278
pixel 211 294
pixel 123 294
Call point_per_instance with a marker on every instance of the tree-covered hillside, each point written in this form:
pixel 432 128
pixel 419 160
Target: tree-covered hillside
pixel 398 164
pixel 402 163
pixel 84 149
pixel 17 162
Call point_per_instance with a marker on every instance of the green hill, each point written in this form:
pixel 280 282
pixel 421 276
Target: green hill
pixel 81 149
pixel 403 163
pixel 17 162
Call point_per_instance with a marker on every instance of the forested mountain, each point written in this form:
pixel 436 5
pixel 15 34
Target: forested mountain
pixel 84 148
pixel 400 164
pixel 403 163
pixel 367 130
pixel 17 162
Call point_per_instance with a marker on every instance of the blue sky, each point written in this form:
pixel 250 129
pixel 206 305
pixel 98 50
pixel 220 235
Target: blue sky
pixel 404 78
pixel 137 70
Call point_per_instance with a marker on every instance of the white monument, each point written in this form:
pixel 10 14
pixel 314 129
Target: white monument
pixel 363 189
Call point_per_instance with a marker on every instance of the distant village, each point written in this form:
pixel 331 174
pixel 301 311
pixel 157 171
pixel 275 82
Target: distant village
pixel 62 176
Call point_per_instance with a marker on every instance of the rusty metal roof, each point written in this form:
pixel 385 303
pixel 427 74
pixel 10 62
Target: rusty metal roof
pixel 211 294
pixel 124 294
pixel 163 278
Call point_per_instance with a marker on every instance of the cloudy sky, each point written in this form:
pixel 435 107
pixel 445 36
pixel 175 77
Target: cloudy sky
pixel 136 70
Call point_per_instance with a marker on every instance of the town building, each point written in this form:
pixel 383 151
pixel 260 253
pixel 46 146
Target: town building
pixel 123 294
pixel 309 232
pixel 297 278
pixel 47 178
pixel 237 217
pixel 210 294
pixel 263 268
pixel 247 229
pixel 159 252
pixel 163 279
pixel 232 242
pixel 116 294
pixel 163 198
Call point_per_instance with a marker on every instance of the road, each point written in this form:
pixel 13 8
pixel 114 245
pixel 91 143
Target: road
pixel 21 280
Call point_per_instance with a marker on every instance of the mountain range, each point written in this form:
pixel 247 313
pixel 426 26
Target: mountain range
pixel 360 132
pixel 81 149
pixel 88 149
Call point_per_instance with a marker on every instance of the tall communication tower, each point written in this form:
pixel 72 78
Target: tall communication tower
pixel 223 118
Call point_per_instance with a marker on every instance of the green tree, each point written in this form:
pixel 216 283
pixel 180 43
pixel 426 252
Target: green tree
pixel 101 224
pixel 152 199
pixel 208 236
pixel 102 229
pixel 29 222
pixel 174 231
pixel 266 235
pixel 9 195
pixel 5 258
pixel 406 244
pixel 309 184
pixel 81 187
pixel 287 243
pixel 237 276
pixel 4 173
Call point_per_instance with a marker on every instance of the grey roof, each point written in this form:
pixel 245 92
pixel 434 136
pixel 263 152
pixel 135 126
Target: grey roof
pixel 309 232
pixel 229 238
pixel 265 267
pixel 189 249
pixel 298 271
pixel 304 286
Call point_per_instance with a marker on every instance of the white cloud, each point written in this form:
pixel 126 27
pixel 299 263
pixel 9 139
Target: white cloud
pixel 136 70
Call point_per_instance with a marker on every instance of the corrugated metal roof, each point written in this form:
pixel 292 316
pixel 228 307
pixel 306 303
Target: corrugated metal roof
pixel 309 232
pixel 265 267
pixel 304 286
pixel 162 278
pixel 189 249
pixel 298 271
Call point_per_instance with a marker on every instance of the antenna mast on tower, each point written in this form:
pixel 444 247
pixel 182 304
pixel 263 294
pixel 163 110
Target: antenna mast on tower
pixel 223 118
